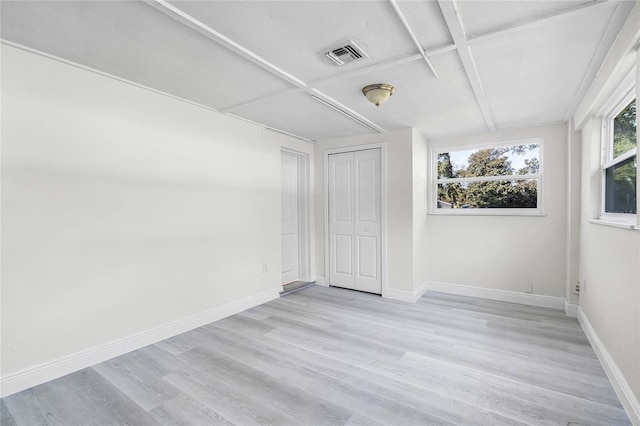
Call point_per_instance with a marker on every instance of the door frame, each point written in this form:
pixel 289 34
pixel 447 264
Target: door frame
pixel 383 207
pixel 304 252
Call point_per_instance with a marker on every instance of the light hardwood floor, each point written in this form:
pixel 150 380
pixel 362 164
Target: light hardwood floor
pixel 331 356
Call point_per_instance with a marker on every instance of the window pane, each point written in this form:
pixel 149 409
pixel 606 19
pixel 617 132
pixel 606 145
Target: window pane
pixel 499 161
pixel 620 192
pixel 624 130
pixel 495 194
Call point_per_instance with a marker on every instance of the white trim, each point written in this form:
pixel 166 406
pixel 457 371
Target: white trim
pixel 383 207
pixel 304 222
pixel 42 373
pixel 570 309
pixel 619 383
pixel 453 20
pixel 530 22
pixel 488 212
pixel 434 180
pixel 488 178
pixel 141 86
pixel 616 65
pixel 623 225
pixel 349 116
pixel 186 19
pixel 500 295
pixel 415 40
pixel 406 296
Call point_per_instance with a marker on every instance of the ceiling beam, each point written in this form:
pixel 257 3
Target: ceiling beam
pixel 456 28
pixel 415 40
pixel 530 22
pixel 606 41
pixel 193 23
pixel 346 73
pixel 618 62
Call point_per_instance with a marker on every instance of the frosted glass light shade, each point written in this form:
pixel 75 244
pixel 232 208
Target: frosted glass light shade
pixel 378 93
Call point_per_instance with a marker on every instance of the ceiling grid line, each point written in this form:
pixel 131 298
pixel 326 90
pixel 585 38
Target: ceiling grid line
pixel 415 40
pixel 456 28
pixel 531 22
pixel 212 34
pixel 508 64
pixel 223 40
pixel 344 74
pixel 596 61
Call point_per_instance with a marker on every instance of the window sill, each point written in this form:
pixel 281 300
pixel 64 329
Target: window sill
pixel 486 212
pixel 623 225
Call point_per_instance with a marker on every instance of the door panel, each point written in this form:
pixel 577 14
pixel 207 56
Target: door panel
pixel 341 231
pixel 343 251
pixel 367 261
pixel 367 197
pixel 342 188
pixel 290 204
pixel 354 220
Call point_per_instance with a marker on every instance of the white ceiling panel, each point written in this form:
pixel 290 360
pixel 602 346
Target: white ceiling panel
pixel 427 23
pixel 289 34
pixel 136 42
pixel 481 16
pixel 300 114
pixel 532 76
pixel 434 106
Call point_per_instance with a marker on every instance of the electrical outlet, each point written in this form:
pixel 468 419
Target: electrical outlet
pixel 529 287
pixel 576 288
pixel 265 268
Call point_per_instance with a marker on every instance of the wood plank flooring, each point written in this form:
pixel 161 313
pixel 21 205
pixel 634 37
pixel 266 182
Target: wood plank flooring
pixel 327 356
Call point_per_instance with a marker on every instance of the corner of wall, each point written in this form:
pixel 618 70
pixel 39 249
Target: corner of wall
pixel 616 377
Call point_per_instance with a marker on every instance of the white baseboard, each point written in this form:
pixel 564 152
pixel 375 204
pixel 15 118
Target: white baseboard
pixel 500 295
pixel 42 373
pixel 405 296
pixel 619 383
pixel 570 309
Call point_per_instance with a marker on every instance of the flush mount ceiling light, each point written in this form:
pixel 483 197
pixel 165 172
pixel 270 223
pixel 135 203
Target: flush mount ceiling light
pixel 378 93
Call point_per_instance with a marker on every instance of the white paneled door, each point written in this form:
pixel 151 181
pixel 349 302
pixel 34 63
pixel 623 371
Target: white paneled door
pixel 290 218
pixel 354 220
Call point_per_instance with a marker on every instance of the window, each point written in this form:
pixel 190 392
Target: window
pixel 498 179
pixel 620 162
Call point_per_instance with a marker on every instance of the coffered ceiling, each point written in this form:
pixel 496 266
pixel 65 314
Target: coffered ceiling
pixel 458 66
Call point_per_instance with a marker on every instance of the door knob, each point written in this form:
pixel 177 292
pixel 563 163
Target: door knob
pixel 366 229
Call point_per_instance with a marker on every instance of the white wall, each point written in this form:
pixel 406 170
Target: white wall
pixel 399 158
pixel 574 185
pixel 609 271
pixel 123 210
pixel 505 252
pixel 420 209
pixel 609 267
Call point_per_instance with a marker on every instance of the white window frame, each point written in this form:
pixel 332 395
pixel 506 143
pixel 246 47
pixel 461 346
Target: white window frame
pixel 607 160
pixel 433 198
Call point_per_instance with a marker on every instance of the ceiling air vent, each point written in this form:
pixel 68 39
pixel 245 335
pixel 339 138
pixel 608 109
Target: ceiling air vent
pixel 344 52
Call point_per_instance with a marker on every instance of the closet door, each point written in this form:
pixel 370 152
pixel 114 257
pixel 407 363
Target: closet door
pixel 354 220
